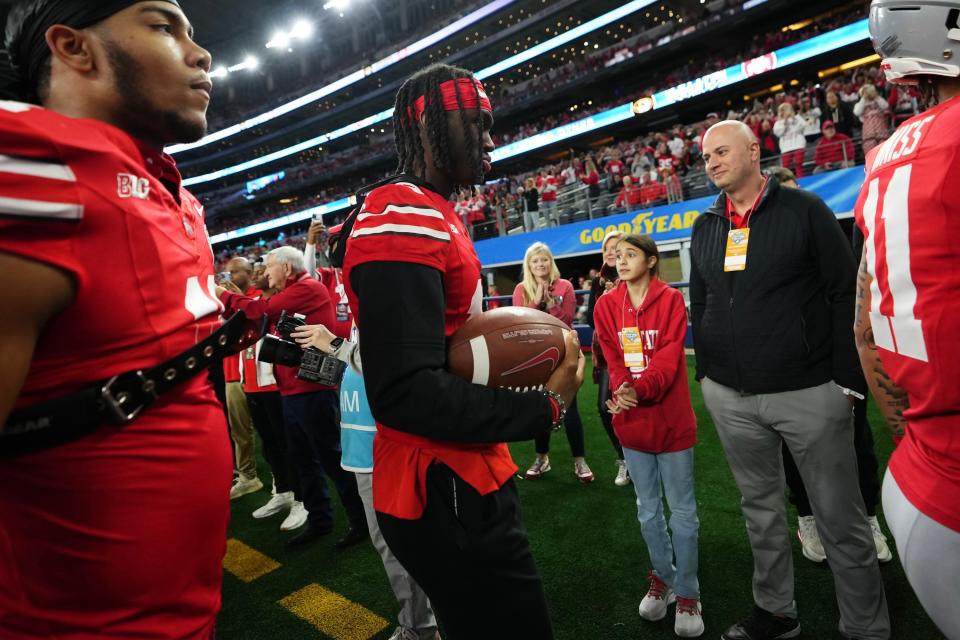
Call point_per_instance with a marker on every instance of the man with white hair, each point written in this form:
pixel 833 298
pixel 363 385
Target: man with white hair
pixel 772 295
pixel 311 412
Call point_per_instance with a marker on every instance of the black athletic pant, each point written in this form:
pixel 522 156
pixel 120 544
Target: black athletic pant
pixel 606 418
pixel 266 411
pixel 573 426
pixel 471 556
pixel 867 467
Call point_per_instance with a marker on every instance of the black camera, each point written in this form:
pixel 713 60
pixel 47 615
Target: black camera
pixel 314 365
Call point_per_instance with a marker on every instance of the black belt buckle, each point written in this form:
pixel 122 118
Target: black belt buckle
pixel 113 404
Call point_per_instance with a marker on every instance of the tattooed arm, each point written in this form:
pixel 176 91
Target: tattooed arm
pixel 891 399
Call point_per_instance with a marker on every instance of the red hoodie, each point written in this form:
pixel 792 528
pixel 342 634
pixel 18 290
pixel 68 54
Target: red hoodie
pixel 663 421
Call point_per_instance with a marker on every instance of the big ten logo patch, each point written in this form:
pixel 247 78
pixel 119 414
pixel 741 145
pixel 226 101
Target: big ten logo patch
pixel 131 186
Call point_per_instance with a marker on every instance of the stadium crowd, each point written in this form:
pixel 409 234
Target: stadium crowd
pixel 344 163
pixel 829 120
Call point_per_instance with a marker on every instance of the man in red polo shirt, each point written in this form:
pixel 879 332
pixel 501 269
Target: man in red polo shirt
pixel 310 410
pixel 651 191
pixel 834 150
pixel 771 292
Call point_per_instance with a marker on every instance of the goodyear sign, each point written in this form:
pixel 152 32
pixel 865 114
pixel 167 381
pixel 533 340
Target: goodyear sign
pixel 669 223
pixel 646 223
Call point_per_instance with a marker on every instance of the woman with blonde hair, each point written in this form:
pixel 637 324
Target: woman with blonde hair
pixel 874 113
pixel 543 288
pixel 789 130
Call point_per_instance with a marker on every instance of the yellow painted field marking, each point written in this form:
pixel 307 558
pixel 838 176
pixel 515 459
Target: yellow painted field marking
pixel 333 614
pixel 247 563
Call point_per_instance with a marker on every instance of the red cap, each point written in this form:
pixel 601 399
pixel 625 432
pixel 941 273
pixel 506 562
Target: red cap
pixel 827 123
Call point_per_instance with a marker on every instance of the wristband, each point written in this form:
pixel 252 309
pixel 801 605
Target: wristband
pixel 558 408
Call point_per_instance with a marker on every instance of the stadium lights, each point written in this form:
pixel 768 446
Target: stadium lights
pixel 844 36
pixel 336 5
pixel 513 61
pixel 301 30
pixel 356 76
pixel 249 62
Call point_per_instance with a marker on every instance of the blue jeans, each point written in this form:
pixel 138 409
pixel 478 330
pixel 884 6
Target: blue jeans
pixel 675 471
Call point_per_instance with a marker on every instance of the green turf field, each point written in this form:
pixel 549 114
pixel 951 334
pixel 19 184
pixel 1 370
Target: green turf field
pixel 587 544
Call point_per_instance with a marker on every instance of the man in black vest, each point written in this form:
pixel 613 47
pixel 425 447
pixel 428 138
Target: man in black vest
pixel 772 298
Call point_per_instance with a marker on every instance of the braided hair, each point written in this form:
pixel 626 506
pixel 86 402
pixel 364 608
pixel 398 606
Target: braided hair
pixel 406 129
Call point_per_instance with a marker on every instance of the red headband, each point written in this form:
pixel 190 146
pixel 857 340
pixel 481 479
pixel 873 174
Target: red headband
pixel 448 92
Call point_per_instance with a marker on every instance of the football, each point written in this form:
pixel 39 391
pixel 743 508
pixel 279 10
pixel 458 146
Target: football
pixel 513 347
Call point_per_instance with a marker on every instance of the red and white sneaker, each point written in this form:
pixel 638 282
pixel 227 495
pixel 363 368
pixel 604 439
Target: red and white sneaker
pixel 653 607
pixel 539 467
pixel 689 620
pixel 584 475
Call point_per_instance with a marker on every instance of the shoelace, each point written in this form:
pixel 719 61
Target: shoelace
pixel 690 606
pixel 657 586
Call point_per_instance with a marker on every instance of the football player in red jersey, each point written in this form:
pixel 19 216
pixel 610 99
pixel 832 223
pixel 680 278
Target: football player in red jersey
pixel 908 315
pixel 443 493
pixel 120 532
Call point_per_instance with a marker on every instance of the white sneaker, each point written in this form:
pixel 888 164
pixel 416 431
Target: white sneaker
pixel 278 502
pixel 653 607
pixel 810 539
pixel 243 485
pixel 296 518
pixel 623 475
pixel 689 620
pixel 880 540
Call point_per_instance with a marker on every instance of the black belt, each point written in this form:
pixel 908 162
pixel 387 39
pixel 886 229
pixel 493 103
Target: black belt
pixel 119 400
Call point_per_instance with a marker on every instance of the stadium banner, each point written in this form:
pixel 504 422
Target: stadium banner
pixel 667 223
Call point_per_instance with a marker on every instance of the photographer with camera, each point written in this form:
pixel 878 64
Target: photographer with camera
pixel 307 382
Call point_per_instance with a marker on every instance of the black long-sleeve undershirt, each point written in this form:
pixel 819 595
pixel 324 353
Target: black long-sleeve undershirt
pixel 403 349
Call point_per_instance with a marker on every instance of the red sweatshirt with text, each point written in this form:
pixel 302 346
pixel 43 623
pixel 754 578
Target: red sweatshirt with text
pixel 663 421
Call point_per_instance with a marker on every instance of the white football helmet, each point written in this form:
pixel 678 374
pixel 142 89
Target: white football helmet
pixel 916 38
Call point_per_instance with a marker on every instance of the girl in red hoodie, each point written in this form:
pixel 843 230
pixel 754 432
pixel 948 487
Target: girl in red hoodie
pixel 641 325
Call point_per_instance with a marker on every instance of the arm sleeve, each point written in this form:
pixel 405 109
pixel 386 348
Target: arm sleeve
pixel 518 297
pixel 310 260
pixel 349 352
pixel 402 308
pixel 838 273
pixel 567 309
pixel 778 128
pixel 698 302
pixel 662 368
pixel 609 340
pixel 293 299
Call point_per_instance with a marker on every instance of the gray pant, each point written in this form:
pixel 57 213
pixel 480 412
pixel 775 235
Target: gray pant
pixel 416 613
pixel 817 426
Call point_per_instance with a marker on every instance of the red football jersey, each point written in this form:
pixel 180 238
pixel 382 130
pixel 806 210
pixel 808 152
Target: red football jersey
pixel 909 212
pixel 120 533
pixel 422 227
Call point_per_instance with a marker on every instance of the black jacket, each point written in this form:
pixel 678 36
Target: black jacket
pixel 786 322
